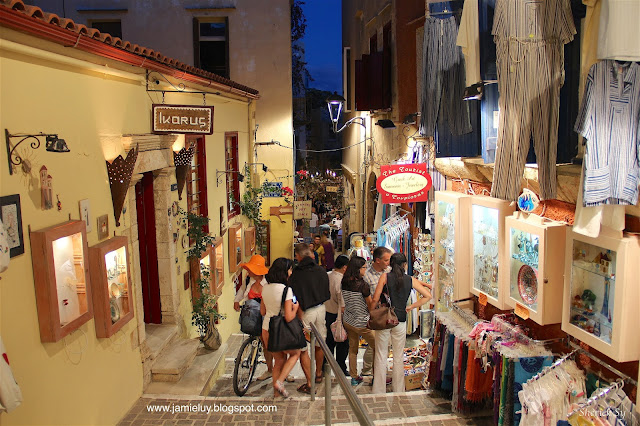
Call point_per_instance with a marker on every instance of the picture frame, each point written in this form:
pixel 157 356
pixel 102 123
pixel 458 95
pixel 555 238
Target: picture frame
pixel 103 226
pixel 85 213
pixel 11 215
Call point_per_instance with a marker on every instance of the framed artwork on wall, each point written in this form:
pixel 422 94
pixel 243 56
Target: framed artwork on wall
pixel 11 216
pixel 103 226
pixel 85 213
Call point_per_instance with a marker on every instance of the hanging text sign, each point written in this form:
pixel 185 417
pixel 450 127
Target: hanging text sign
pixel 302 209
pixel 332 189
pixel 182 119
pixel 406 183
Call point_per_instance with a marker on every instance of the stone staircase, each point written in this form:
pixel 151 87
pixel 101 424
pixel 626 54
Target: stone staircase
pixel 180 366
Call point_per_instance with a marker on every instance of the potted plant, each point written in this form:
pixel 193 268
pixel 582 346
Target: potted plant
pixel 205 313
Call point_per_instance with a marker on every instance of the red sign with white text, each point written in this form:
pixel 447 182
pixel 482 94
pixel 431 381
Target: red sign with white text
pixel 405 183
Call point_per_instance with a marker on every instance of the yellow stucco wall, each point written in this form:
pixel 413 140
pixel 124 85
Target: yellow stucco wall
pixel 83 379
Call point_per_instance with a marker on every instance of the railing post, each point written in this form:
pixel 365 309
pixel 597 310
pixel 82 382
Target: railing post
pixel 327 393
pixel 312 367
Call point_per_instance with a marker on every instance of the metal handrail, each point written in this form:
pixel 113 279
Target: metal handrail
pixel 332 364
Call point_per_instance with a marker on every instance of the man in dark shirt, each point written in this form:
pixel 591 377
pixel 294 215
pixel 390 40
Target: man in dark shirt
pixel 310 285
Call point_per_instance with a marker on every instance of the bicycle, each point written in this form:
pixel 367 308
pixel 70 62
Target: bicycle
pixel 245 364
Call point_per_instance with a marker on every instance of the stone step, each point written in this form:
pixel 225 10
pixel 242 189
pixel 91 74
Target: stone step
pixel 174 360
pixel 159 336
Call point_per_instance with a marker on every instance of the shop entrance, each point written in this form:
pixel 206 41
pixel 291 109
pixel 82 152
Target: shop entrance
pixel 148 250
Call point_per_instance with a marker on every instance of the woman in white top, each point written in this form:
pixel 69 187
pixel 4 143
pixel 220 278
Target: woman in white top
pixel 270 306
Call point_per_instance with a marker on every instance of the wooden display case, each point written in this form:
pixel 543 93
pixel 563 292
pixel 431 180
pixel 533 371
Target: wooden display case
pixel 204 263
pixel 536 267
pixel 601 292
pixel 112 298
pixel 489 270
pixel 217 270
pixel 250 241
pixel 452 248
pixel 235 247
pixel 60 258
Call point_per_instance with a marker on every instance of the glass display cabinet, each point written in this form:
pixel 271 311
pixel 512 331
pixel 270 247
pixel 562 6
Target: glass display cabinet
pixel 204 263
pixel 60 258
pixel 451 248
pixel 250 241
pixel 235 247
pixel 217 271
pixel 489 270
pixel 536 267
pixel 265 241
pixel 112 301
pixel 601 293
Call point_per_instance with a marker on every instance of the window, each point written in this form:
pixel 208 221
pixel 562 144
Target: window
pixel 232 172
pixel 346 78
pixel 211 45
pixel 112 27
pixel 197 178
pixel 373 75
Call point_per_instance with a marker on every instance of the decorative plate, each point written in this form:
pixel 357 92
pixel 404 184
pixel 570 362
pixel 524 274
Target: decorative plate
pixel 115 290
pixel 528 284
pixel 115 311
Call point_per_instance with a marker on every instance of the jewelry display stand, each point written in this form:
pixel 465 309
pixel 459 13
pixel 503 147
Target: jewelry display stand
pixel 112 301
pixel 452 248
pixel 601 293
pixel 536 267
pixel 488 254
pixel 61 275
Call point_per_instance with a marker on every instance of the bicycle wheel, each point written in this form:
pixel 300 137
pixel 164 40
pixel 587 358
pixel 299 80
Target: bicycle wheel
pixel 245 365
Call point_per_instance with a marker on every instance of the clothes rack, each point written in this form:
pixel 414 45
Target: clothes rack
pixel 553 366
pixel 604 364
pixel 516 333
pixel 618 384
pixel 471 320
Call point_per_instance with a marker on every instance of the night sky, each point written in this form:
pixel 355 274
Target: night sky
pixel 323 43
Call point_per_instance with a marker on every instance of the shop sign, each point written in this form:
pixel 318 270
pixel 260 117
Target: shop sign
pixel 302 209
pixel 406 183
pixel 272 189
pixel 332 189
pixel 182 119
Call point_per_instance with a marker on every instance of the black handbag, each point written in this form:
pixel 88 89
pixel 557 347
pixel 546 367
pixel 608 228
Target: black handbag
pixel 283 335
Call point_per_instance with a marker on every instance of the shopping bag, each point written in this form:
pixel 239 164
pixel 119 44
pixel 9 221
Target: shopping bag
pixel 283 335
pixel 337 329
pixel 382 317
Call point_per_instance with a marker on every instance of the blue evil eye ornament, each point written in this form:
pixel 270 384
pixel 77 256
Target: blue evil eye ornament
pixel 528 201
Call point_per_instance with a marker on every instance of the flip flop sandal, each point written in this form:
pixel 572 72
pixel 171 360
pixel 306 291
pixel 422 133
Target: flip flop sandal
pixel 304 388
pixel 318 379
pixel 279 386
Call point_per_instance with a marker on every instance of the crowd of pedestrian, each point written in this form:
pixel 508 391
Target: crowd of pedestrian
pixel 320 289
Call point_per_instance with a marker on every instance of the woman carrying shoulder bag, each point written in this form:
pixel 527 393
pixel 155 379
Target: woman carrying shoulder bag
pixel 397 284
pixel 272 295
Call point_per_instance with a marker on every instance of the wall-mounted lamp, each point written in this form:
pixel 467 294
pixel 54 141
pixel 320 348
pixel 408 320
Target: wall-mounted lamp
pixel 386 124
pixel 410 118
pixel 182 161
pixel 120 171
pixel 52 144
pixel 222 172
pixel 475 91
pixel 264 166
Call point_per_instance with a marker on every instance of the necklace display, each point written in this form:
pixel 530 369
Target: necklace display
pixel 445 253
pixel 423 264
pixel 485 250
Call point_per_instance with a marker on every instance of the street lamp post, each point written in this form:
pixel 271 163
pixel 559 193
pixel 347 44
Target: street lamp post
pixel 335 103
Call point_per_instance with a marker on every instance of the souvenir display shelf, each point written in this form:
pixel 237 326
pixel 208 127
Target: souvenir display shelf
pixel 112 301
pixel 423 250
pixel 601 293
pixel 489 263
pixel 536 267
pixel 217 271
pixel 451 248
pixel 235 246
pixel 60 258
pixel 250 241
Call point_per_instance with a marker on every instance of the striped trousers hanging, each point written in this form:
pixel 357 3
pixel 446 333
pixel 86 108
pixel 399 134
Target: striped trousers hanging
pixel 530 75
pixel 443 79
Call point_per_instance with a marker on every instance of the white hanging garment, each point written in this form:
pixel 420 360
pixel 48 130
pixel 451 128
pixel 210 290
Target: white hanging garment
pixel 10 394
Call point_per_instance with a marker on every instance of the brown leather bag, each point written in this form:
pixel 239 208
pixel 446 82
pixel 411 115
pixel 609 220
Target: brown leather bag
pixel 382 317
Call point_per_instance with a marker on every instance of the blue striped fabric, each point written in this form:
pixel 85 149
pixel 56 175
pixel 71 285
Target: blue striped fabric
pixel 609 119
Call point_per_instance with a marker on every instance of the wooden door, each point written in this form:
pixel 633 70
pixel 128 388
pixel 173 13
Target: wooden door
pixel 148 250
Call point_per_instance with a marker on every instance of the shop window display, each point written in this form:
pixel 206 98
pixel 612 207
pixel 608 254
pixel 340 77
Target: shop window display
pixel 112 301
pixel 535 246
pixel 218 268
pixel 451 248
pixel 61 276
pixel 488 255
pixel 601 293
pixel 235 247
